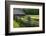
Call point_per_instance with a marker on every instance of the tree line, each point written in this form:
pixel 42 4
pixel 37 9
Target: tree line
pixel 31 11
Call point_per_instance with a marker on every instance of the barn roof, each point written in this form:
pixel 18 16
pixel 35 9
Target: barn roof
pixel 18 11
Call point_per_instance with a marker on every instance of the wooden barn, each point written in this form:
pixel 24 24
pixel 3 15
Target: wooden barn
pixel 18 12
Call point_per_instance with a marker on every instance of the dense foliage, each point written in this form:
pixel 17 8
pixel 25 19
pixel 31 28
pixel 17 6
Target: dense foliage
pixel 31 11
pixel 26 21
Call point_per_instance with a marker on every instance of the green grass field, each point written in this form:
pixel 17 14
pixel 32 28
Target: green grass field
pixel 26 21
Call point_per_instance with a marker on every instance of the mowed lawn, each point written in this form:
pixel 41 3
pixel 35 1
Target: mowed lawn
pixel 24 22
